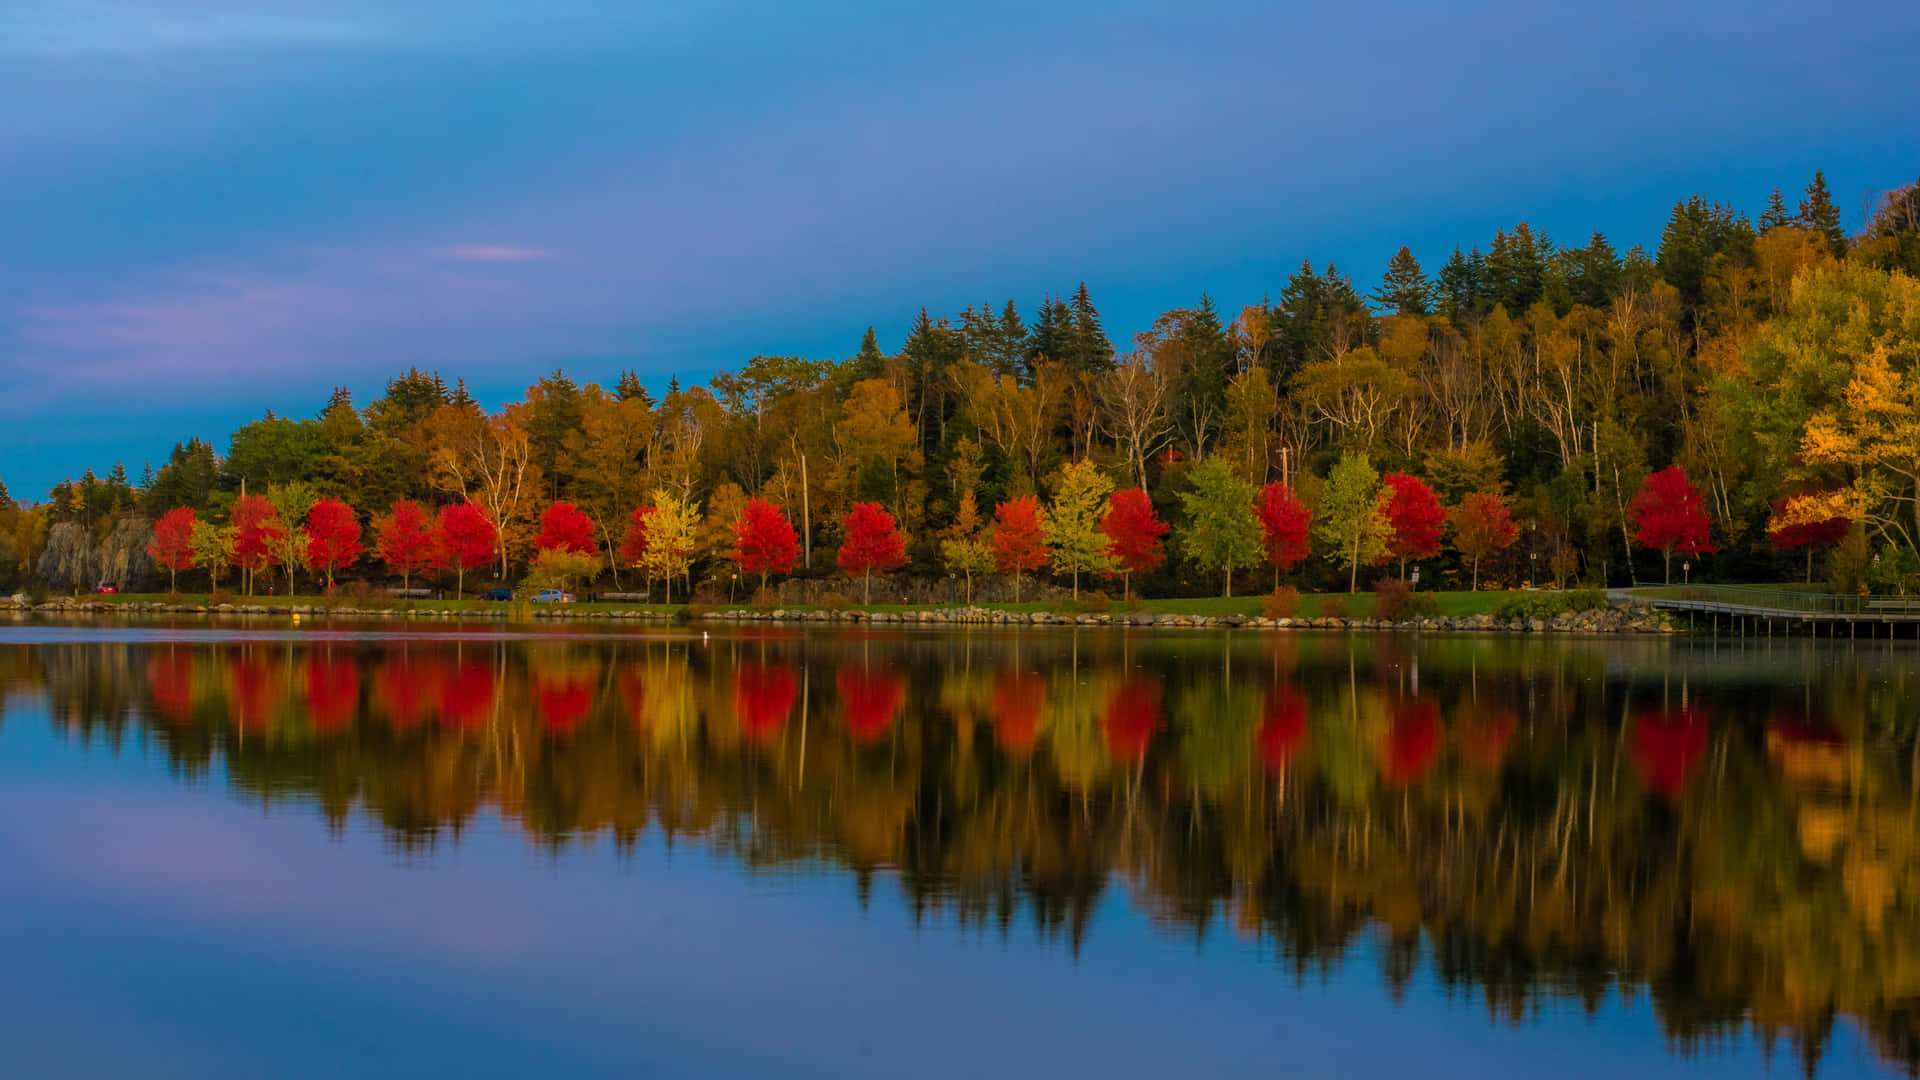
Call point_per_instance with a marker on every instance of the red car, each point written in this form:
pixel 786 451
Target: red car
pixel 106 588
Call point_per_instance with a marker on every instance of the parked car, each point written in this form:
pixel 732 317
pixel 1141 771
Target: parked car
pixel 497 594
pixel 552 596
pixel 106 588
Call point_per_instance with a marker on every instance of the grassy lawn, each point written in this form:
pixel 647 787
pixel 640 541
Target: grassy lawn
pixel 1359 605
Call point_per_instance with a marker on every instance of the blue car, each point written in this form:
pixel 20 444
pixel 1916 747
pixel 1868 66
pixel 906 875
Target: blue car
pixel 552 596
pixel 497 594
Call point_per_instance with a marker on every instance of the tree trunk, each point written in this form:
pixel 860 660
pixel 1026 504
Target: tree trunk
pixel 459 580
pixel 1476 574
pixel 866 595
pixel 1076 586
pixel 1667 556
pixel 1229 581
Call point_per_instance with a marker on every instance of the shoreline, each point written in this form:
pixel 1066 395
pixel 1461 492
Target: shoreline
pixel 1618 618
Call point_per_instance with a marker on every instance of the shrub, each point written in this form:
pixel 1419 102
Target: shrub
pixel 766 599
pixel 1539 605
pixel 1424 604
pixel 1333 606
pixel 707 596
pixel 1097 603
pixel 1136 603
pixel 216 598
pixel 1390 598
pixel 835 601
pixel 1282 603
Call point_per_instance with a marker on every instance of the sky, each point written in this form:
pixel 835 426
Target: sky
pixel 210 208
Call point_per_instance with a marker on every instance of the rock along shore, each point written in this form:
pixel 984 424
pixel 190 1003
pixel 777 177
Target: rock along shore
pixel 1621 618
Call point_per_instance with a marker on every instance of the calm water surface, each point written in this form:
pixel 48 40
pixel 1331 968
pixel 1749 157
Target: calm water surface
pixel 466 852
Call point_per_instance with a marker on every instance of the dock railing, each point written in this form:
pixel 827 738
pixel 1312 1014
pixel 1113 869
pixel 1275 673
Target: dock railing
pixel 1778 602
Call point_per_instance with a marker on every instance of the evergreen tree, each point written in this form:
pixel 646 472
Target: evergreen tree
pixel 869 362
pixel 1776 213
pixel 1404 288
pixel 1459 286
pixel 1089 351
pixel 1302 322
pixel 1048 336
pixel 460 398
pixel 628 388
pixel 1819 215
pixel 1012 341
pixel 1594 273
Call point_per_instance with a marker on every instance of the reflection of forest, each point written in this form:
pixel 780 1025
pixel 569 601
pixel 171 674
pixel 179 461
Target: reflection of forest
pixel 1733 834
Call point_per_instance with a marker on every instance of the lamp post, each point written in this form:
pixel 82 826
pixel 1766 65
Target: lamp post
pixel 1533 560
pixel 1686 573
pixel 733 587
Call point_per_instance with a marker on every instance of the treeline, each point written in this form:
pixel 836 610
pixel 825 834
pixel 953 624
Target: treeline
pixel 1769 367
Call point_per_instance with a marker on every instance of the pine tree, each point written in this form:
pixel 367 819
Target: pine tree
pixel 1047 337
pixel 1595 271
pixel 460 398
pixel 1404 288
pixel 1819 215
pixel 1776 213
pixel 1459 287
pixel 869 362
pixel 628 388
pixel 1012 341
pixel 1090 352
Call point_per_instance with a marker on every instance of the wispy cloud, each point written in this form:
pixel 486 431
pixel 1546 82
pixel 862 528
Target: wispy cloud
pixel 494 253
pixel 78 29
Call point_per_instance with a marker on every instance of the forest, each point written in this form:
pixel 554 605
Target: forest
pixel 1740 404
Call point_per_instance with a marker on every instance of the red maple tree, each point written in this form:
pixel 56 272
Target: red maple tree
pixel 1283 727
pixel 1668 745
pixel 1283 527
pixel 633 546
pixel 463 538
pixel 1134 534
pixel 1670 515
pixel 1416 517
pixel 403 538
pixel 764 541
pixel 333 537
pixel 873 543
pixel 1807 534
pixel 1132 716
pixel 257 530
pixel 1482 525
pixel 1019 543
pixel 1413 740
pixel 763 696
pixel 172 544
pixel 872 699
pixel 1018 697
pixel 333 692
pixel 565 527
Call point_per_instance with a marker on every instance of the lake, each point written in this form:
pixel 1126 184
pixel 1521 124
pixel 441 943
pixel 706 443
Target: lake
pixel 473 851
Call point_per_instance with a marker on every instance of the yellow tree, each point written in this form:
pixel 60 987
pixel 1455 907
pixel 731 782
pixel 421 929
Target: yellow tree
pixel 1877 437
pixel 671 538
pixel 1075 542
pixel 609 456
pixel 877 449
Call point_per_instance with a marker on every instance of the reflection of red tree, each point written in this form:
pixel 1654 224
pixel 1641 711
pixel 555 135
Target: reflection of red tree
pixel 563 699
pixel 1017 699
pixel 1485 735
pixel 762 697
pixel 1413 740
pixel 406 689
pixel 171 677
pixel 333 692
pixel 1132 716
pixel 1283 726
pixel 253 693
pixel 872 698
pixel 1667 746
pixel 466 697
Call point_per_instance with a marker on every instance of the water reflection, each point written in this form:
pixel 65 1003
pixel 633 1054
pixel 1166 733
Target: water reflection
pixel 1732 834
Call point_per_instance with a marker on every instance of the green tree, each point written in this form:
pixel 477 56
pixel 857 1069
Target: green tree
pixel 966 550
pixel 290 502
pixel 1404 289
pixel 1221 533
pixel 1075 543
pixel 1350 518
pixel 1819 215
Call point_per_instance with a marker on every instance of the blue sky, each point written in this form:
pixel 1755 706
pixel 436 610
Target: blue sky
pixel 215 207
